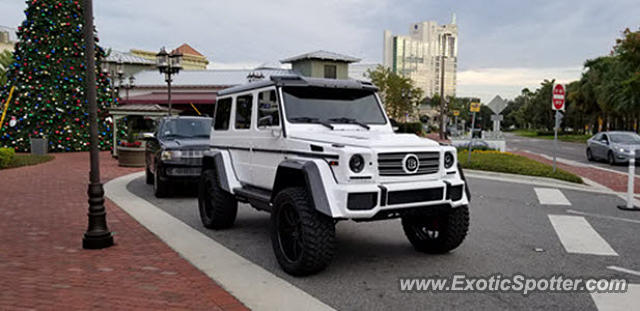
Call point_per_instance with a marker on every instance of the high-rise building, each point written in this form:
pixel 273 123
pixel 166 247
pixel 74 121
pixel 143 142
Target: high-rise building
pixel 7 39
pixel 419 55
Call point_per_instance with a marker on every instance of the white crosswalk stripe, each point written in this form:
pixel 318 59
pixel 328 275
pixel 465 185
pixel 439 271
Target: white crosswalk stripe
pixel 551 196
pixel 618 301
pixel 578 236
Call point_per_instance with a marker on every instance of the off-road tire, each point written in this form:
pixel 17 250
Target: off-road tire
pixel 611 159
pixel 148 176
pixel 316 232
pixel 160 188
pixel 451 228
pixel 218 208
pixel 590 157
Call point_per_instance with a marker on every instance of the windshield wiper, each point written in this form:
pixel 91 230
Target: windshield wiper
pixel 350 121
pixel 312 120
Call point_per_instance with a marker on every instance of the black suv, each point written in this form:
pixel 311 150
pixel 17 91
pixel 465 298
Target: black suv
pixel 174 152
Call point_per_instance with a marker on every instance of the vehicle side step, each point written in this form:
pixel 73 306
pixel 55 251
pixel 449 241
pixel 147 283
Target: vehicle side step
pixel 259 198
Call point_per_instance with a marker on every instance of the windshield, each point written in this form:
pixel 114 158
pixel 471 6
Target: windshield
pixel 625 138
pixel 186 128
pixel 305 104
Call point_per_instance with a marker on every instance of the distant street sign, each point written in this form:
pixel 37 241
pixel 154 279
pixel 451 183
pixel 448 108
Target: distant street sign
pixel 475 107
pixel 497 104
pixel 497 117
pixel 456 113
pixel 558 100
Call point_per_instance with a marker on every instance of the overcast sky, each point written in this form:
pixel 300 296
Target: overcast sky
pixel 505 45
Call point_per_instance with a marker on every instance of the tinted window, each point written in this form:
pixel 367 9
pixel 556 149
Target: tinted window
pixel 328 103
pixel 186 128
pixel 244 104
pixel 223 113
pixel 268 113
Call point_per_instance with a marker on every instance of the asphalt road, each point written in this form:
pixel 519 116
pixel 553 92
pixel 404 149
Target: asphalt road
pixel 508 224
pixel 566 150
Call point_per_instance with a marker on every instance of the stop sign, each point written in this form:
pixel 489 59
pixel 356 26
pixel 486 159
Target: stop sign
pixel 558 97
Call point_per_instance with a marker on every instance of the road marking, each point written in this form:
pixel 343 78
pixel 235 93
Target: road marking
pixel 254 286
pixel 578 236
pixel 620 269
pixel 618 301
pixel 603 216
pixel 551 196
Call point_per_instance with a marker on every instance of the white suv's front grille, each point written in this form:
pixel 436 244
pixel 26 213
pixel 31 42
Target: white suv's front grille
pixel 392 164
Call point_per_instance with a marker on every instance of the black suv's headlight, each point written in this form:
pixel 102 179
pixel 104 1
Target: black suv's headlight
pixel 356 163
pixel 448 160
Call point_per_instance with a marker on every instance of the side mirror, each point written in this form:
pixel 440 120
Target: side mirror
pixel 276 132
pixel 604 141
pixel 148 136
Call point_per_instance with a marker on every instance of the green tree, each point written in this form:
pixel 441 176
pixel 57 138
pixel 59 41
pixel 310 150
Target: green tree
pixel 399 94
pixel 49 78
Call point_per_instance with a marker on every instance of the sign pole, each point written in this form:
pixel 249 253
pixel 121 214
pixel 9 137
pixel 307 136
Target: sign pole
pixel 555 140
pixel 630 187
pixel 473 126
pixel 557 104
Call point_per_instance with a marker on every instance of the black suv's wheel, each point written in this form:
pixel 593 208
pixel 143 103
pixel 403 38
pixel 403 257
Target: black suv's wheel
pixel 303 239
pixel 148 176
pixel 218 208
pixel 437 234
pixel 160 187
pixel 589 155
pixel 611 159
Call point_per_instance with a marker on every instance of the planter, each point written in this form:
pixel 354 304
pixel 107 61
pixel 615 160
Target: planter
pixel 131 156
pixel 39 146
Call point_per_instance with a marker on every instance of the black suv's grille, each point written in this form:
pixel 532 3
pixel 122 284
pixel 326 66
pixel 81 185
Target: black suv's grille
pixel 192 156
pixel 390 164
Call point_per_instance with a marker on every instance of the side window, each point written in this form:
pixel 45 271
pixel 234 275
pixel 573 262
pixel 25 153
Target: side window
pixel 598 137
pixel 244 105
pixel 223 113
pixel 605 137
pixel 268 114
pixel 330 72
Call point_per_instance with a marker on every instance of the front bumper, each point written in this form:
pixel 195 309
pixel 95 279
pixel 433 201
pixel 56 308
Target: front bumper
pixel 177 172
pixel 375 200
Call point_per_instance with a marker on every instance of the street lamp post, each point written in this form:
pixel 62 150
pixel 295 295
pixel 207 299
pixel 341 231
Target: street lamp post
pixel 442 96
pixel 169 64
pixel 97 235
pixel 129 85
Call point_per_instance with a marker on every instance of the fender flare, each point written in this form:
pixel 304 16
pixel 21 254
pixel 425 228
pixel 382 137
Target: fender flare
pixel 214 160
pixel 466 183
pixel 290 173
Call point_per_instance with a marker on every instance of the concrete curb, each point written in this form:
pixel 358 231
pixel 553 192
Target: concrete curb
pixel 590 186
pixel 254 286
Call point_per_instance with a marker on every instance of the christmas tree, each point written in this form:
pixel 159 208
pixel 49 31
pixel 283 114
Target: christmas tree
pixel 49 79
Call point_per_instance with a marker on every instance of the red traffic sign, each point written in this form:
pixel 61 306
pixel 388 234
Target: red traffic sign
pixel 558 99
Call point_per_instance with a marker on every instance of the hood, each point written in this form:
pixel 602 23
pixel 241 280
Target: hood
pixel 366 139
pixel 186 144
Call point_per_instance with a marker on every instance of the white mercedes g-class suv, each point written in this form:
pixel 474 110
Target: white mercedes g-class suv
pixel 315 151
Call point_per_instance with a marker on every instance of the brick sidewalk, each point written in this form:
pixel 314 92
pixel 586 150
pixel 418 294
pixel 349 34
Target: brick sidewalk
pixel 43 266
pixel 611 180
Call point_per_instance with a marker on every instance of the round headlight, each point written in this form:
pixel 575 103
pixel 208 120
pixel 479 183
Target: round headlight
pixel 448 159
pixel 356 163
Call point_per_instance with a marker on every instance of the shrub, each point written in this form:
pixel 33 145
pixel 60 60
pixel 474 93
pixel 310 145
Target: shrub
pixel 6 156
pixel 411 128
